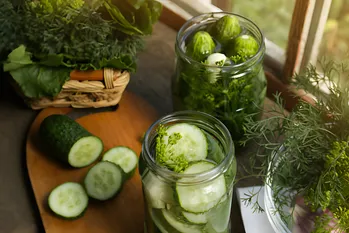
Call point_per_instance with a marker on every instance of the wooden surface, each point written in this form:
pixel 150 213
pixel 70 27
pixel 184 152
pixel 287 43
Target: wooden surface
pixel 122 214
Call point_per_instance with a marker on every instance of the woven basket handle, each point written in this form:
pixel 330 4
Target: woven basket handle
pixel 107 75
pixel 94 75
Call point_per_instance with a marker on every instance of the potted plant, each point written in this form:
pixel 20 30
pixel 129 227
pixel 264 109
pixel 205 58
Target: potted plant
pixel 303 156
pixel 76 53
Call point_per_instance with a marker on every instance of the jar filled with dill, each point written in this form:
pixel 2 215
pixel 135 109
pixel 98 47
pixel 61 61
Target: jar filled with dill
pixel 304 155
pixel 219 68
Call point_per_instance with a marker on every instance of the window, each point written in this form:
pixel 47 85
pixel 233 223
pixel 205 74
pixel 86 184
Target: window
pixel 297 32
pixel 273 21
pixel 335 39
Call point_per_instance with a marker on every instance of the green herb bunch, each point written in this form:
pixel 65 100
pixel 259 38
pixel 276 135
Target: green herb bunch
pixel 306 153
pixel 60 36
pixel 76 36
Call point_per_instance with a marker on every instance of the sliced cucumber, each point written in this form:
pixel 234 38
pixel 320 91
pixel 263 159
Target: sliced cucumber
pixel 123 156
pixel 104 180
pixel 214 149
pixel 85 151
pixel 157 192
pixel 69 142
pixel 68 200
pixel 219 219
pixel 179 225
pixel 193 144
pixel 201 197
pixel 195 218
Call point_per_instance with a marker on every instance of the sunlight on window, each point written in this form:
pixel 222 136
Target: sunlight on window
pixel 273 17
pixel 335 40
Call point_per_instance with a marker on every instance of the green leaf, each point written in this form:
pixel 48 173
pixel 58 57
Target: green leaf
pixel 52 60
pixel 136 3
pixel 17 59
pixel 134 20
pixel 156 10
pixel 122 63
pixel 38 81
pixel 144 19
pixel 124 25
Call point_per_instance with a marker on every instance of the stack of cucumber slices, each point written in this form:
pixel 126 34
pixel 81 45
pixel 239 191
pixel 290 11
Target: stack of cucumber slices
pixel 185 205
pixel 70 143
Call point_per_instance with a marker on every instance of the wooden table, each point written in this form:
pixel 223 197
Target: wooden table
pixel 18 212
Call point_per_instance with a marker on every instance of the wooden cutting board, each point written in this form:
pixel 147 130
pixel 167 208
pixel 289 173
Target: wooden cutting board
pixel 122 214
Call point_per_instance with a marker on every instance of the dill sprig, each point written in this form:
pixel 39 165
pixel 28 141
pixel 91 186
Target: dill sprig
pixel 303 152
pixel 165 155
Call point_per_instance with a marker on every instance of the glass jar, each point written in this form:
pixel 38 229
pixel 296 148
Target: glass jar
pixel 228 92
pixel 166 192
pixel 280 222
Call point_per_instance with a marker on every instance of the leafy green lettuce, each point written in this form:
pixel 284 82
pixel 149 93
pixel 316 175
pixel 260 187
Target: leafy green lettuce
pixel 35 80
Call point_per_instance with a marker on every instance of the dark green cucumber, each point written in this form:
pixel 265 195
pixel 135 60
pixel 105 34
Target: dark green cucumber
pixel 68 200
pixel 104 180
pixel 69 142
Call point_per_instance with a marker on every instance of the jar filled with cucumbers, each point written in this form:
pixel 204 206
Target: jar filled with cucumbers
pixel 188 169
pixel 219 68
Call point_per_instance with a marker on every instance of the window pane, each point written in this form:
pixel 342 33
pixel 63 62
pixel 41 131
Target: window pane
pixel 335 40
pixel 272 16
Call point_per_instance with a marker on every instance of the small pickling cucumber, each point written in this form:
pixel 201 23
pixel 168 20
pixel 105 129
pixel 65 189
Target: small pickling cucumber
pixel 69 142
pixel 200 198
pixel 104 180
pixel 123 156
pixel 68 200
pixel 157 192
pixel 179 225
pixel 192 143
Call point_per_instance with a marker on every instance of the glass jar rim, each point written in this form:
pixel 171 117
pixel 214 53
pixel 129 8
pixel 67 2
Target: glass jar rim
pixel 250 60
pixel 199 177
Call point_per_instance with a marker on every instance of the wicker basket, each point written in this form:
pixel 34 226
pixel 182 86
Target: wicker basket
pixel 86 94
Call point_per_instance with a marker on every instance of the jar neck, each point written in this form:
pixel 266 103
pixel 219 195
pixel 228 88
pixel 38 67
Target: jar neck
pixel 197 21
pixel 205 122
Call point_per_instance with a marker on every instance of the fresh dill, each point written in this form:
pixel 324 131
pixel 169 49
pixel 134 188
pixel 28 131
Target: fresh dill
pixel 305 153
pixel 165 155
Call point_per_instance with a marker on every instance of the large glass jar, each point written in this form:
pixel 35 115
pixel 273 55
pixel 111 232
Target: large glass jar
pixel 228 92
pixel 189 202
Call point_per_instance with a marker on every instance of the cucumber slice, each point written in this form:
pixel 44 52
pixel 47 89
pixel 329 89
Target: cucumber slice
pixel 196 218
pixel 68 200
pixel 69 142
pixel 219 219
pixel 157 192
pixel 201 197
pixel 178 225
pixel 123 156
pixel 104 180
pixel 193 144
pixel 85 151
